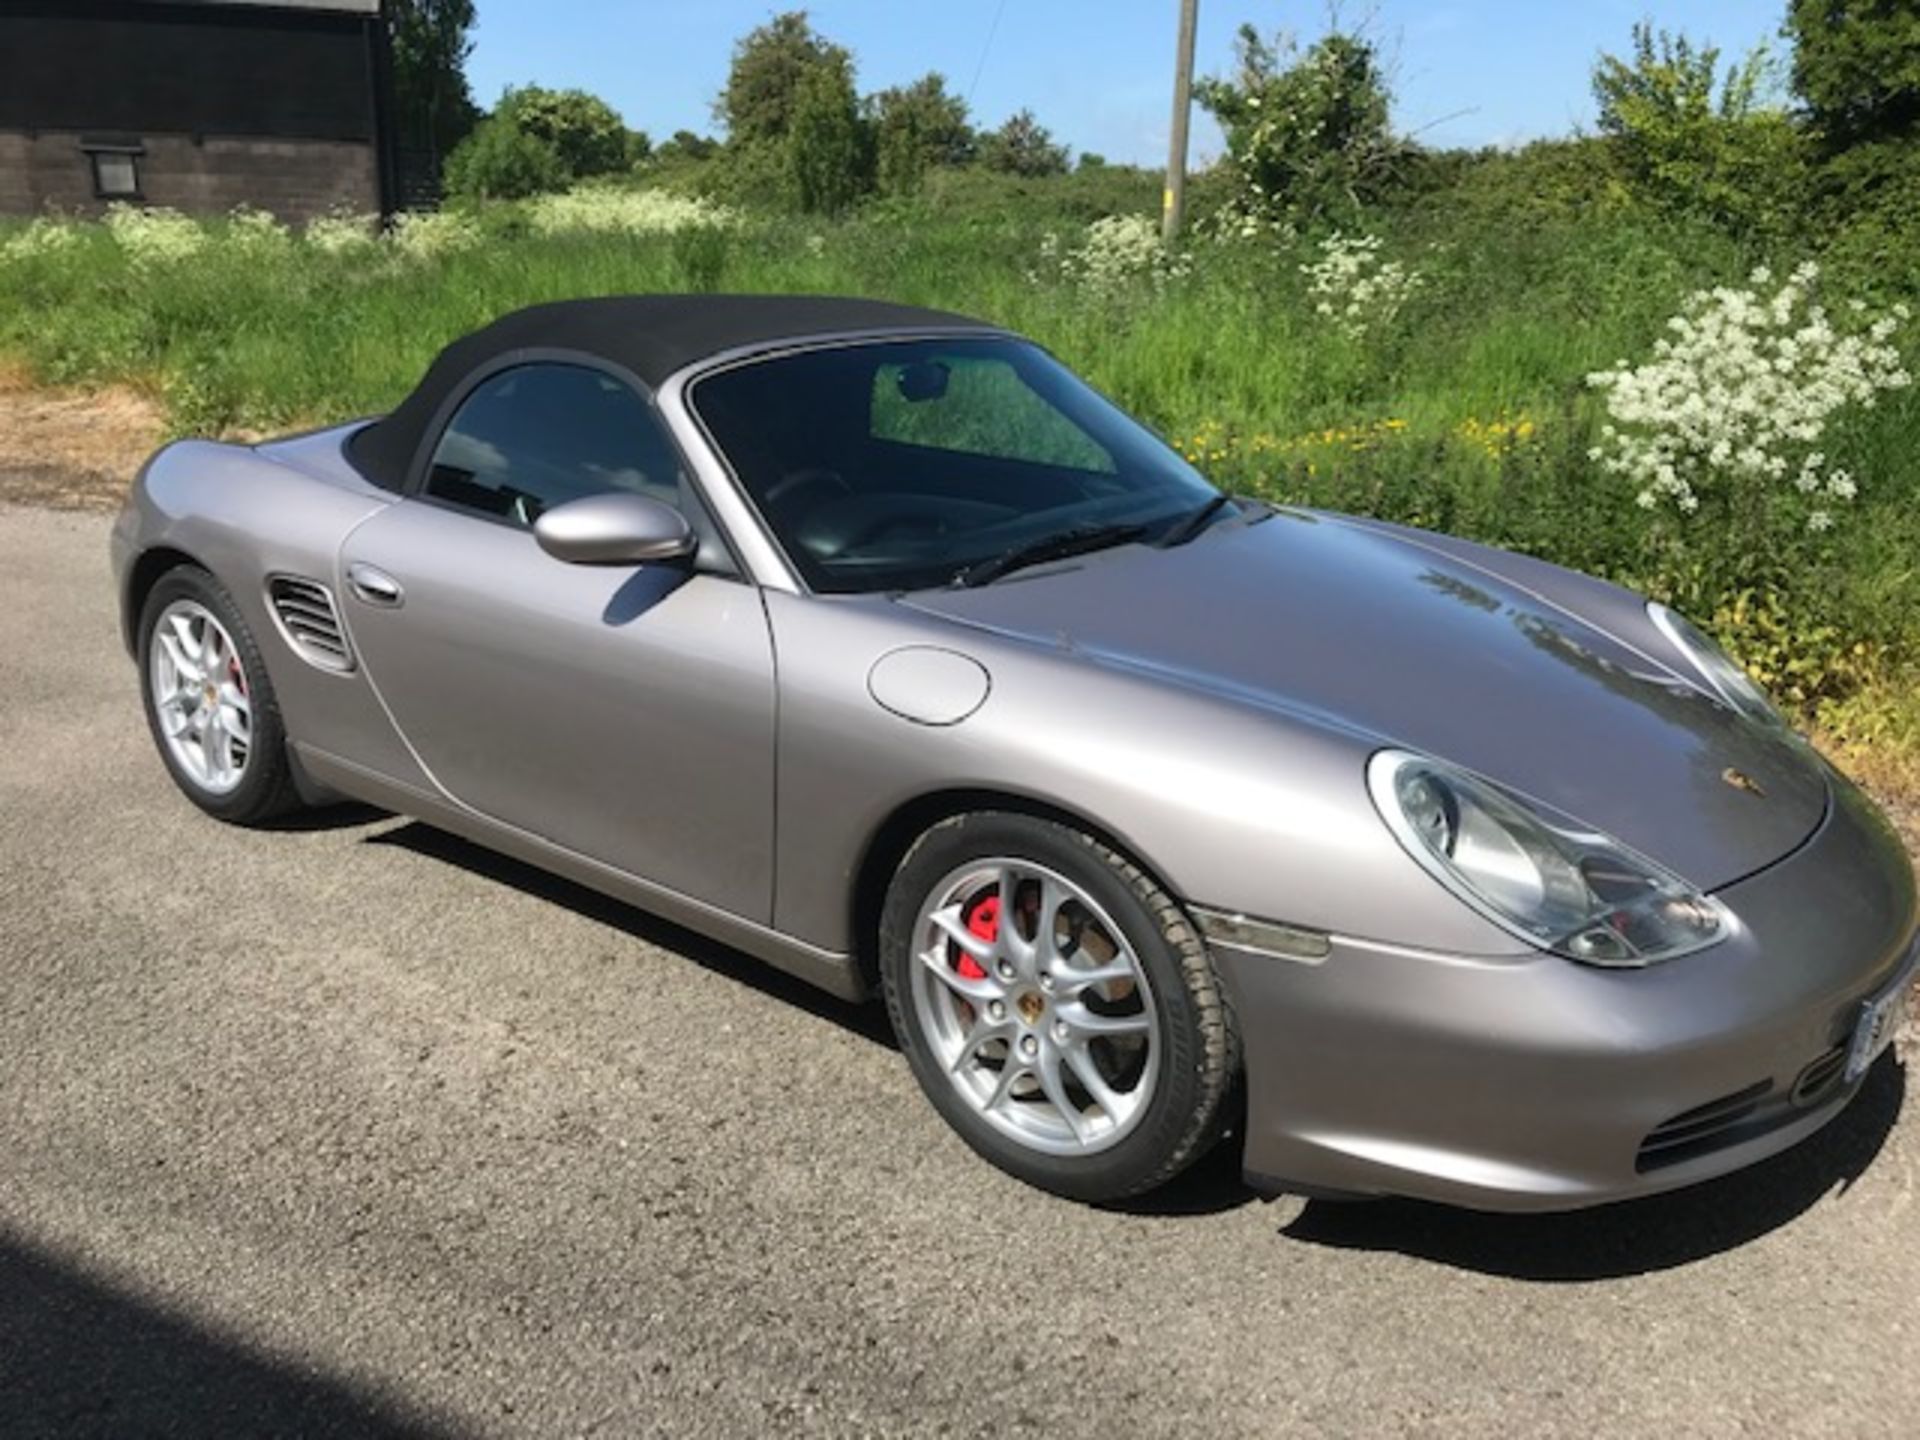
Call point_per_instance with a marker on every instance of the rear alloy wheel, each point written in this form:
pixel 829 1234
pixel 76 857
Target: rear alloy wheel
pixel 1056 1005
pixel 208 701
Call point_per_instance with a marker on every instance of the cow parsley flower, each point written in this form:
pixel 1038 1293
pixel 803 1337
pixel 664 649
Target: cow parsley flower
pixel 432 236
pixel 154 239
pixel 255 236
pixel 1118 255
pixel 605 210
pixel 1354 288
pixel 342 234
pixel 1740 392
pixel 44 235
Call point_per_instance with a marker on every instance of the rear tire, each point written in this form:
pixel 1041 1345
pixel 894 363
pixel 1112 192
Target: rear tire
pixel 209 704
pixel 1056 1005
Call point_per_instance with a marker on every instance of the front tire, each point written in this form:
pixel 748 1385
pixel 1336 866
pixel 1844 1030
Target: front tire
pixel 209 704
pixel 1056 1005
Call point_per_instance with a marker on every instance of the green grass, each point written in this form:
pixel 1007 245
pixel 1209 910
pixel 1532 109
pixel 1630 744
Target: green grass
pixel 1229 360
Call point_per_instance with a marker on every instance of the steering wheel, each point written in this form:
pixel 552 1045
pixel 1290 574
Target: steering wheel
pixel 782 491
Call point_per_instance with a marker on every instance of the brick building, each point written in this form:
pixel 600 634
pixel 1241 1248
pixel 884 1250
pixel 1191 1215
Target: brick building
pixel 201 105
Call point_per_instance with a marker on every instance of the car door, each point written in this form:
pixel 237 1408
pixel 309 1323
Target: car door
pixel 623 712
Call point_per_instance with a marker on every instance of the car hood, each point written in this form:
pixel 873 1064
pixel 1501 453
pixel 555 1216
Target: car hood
pixel 1354 627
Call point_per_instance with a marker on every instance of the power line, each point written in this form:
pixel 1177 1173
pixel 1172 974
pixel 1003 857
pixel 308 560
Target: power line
pixel 992 30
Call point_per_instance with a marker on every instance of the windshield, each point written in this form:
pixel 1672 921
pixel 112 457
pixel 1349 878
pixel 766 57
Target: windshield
pixel 899 465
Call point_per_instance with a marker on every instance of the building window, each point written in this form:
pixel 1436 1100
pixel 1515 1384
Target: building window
pixel 116 168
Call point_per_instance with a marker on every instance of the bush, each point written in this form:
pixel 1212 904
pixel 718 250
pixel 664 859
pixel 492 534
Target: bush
pixel 827 148
pixel 1023 146
pixel 1307 137
pixel 770 67
pixel 1856 63
pixel 1729 160
pixel 500 161
pixel 917 128
pixel 585 132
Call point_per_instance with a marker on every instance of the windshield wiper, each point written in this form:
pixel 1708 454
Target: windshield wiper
pixel 1185 529
pixel 1058 546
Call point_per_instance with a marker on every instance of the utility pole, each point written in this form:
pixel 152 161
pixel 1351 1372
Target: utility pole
pixel 1174 209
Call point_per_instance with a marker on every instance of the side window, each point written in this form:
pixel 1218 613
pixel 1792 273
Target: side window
pixel 540 435
pixel 978 406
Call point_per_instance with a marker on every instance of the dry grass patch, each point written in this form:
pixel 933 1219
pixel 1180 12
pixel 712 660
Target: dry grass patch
pixel 71 449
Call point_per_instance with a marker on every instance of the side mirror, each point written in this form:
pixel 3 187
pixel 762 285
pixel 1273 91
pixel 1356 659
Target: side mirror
pixel 618 528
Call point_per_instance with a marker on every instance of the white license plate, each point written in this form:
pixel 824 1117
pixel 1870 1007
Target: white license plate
pixel 1879 1021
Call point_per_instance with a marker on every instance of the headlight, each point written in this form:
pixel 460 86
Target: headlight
pixel 1716 667
pixel 1573 892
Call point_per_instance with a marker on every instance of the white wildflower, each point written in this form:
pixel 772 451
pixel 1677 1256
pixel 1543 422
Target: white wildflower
pixel 1118 255
pixel 255 236
pixel 45 235
pixel 1354 287
pixel 153 239
pixel 342 234
pixel 606 210
pixel 431 236
pixel 1744 394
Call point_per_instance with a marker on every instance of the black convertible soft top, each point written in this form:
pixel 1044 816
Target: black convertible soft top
pixel 651 335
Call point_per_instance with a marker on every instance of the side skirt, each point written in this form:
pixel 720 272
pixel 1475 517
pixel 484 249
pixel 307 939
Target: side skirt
pixel 835 973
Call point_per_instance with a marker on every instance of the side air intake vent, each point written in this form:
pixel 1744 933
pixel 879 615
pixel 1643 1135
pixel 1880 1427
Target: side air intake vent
pixel 1703 1129
pixel 306 613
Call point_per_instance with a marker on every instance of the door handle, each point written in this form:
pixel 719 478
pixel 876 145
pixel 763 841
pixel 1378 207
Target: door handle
pixel 374 586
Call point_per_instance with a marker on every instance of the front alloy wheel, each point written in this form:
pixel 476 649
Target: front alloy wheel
pixel 1034 1005
pixel 209 702
pixel 1056 1005
pixel 200 697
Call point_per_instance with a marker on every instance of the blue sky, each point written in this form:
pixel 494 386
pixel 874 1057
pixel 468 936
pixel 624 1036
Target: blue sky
pixel 1098 72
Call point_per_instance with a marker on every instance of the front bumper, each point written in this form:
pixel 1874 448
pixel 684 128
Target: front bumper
pixel 1539 1084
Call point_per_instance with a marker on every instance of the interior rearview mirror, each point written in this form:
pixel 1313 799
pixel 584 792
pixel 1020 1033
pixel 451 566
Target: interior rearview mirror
pixel 924 380
pixel 617 528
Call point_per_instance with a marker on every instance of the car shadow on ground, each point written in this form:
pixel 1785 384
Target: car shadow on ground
pixel 83 1356
pixel 867 1021
pixel 1210 1186
pixel 1634 1237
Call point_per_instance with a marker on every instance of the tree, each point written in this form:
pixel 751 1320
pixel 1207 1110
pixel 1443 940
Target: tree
pixel 585 132
pixel 685 145
pixel 1856 65
pixel 826 144
pixel 1692 141
pixel 430 46
pixel 916 128
pixel 1307 132
pixel 500 161
pixel 1023 146
pixel 770 65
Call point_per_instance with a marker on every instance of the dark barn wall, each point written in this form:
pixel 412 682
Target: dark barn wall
pixel 233 104
pixel 295 179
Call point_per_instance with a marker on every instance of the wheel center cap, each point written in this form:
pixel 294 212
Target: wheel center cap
pixel 1032 1006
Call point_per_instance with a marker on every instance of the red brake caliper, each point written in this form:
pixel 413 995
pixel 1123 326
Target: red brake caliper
pixel 983 921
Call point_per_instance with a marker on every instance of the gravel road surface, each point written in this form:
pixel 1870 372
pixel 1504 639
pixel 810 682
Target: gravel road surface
pixel 356 1129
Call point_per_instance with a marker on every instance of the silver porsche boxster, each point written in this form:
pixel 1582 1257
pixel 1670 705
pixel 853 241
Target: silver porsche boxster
pixel 871 641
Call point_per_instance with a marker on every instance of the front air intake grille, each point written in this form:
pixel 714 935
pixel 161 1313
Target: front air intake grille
pixel 1819 1078
pixel 1702 1129
pixel 312 626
